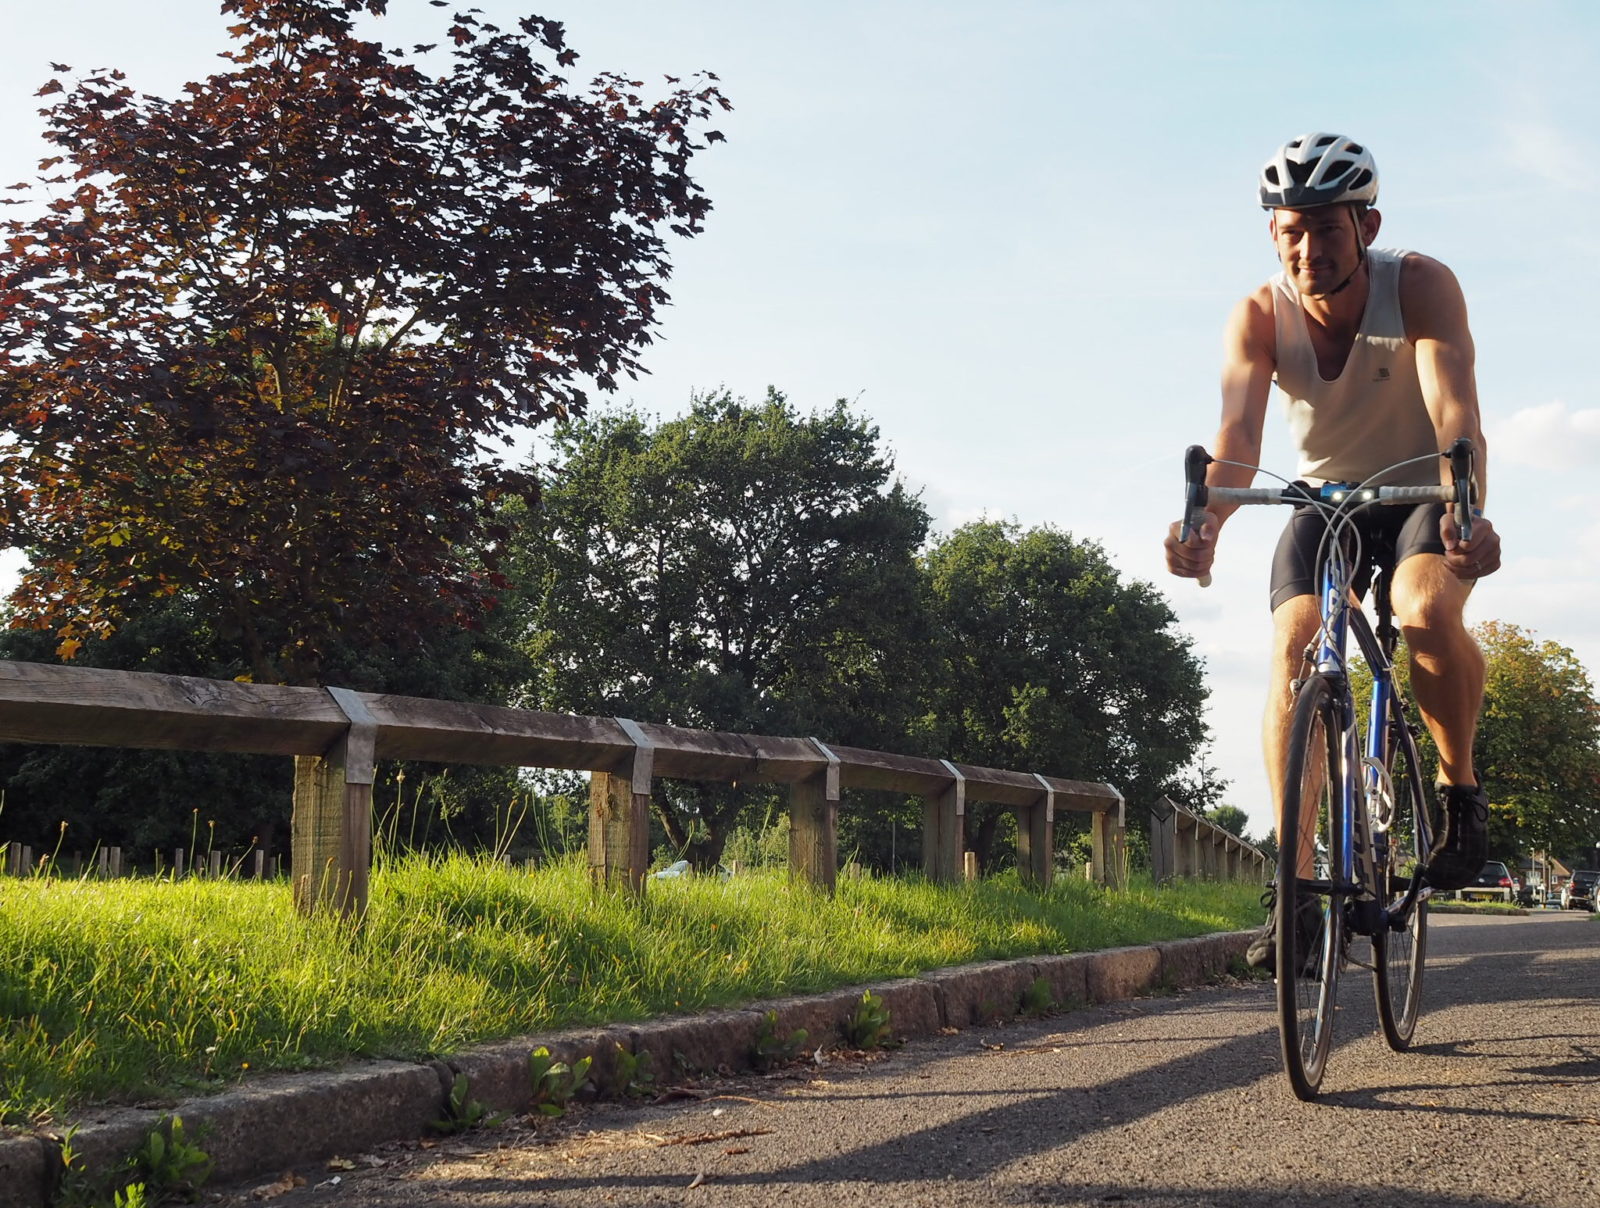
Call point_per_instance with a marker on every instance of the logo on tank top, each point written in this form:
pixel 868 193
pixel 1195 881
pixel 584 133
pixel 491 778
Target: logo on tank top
pixel 1382 375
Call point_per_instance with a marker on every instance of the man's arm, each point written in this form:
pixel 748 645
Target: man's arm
pixel 1436 324
pixel 1248 362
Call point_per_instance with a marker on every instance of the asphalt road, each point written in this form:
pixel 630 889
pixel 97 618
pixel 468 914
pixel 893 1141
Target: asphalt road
pixel 1163 1101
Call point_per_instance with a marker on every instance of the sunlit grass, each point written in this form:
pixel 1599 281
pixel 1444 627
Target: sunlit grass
pixel 117 991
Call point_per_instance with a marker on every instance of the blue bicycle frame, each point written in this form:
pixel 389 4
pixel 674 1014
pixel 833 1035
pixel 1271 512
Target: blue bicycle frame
pixel 1362 878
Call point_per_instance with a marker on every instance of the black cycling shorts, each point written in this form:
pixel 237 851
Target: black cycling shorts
pixel 1389 535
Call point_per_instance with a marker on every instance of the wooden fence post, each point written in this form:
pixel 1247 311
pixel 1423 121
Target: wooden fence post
pixel 1109 844
pixel 943 825
pixel 814 825
pixel 1163 841
pixel 619 832
pixel 1036 838
pixel 331 830
pixel 619 818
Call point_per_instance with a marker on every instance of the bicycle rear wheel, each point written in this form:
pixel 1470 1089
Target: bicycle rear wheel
pixel 1310 916
pixel 1398 954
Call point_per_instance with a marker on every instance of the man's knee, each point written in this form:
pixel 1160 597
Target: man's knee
pixel 1428 600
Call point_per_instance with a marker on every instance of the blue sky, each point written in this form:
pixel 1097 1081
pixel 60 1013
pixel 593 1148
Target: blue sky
pixel 1012 234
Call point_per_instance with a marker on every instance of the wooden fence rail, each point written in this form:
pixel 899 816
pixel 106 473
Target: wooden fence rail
pixel 336 735
pixel 1186 845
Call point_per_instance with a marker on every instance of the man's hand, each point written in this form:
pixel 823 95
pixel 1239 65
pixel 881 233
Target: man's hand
pixel 1467 560
pixel 1192 561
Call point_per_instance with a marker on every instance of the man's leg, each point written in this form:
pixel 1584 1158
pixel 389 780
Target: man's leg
pixel 1447 675
pixel 1294 627
pixel 1446 664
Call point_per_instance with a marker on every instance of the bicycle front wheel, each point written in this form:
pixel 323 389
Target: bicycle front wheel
pixel 1398 953
pixel 1310 915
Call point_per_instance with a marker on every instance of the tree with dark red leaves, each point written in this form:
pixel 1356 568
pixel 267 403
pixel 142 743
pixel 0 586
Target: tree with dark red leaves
pixel 260 345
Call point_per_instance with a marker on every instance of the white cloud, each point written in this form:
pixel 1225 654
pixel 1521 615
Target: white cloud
pixel 1548 437
pixel 1541 151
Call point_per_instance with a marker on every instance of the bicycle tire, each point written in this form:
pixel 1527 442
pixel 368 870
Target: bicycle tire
pixel 1308 967
pixel 1398 955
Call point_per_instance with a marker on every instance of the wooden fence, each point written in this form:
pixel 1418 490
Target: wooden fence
pixel 1183 844
pixel 20 860
pixel 336 735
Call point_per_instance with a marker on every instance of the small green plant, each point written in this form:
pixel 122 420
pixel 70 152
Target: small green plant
pixel 1037 999
pixel 462 1112
pixel 131 1196
pixel 868 1025
pixel 555 1082
pixel 167 1166
pixel 76 1188
pixel 635 1078
pixel 773 1049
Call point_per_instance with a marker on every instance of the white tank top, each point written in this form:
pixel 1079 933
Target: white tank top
pixel 1371 415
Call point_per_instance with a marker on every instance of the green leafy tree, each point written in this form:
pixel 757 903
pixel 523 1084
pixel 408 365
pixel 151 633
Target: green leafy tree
pixel 744 568
pixel 262 344
pixel 1230 818
pixel 1538 744
pixel 1053 664
pixel 1268 846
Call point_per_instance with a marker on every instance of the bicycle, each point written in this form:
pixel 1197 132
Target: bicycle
pixel 1369 826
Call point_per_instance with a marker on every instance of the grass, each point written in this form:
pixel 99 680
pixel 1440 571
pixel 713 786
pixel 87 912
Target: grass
pixel 141 990
pixel 1484 906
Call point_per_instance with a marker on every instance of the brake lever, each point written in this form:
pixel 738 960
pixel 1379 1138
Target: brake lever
pixel 1195 461
pixel 1461 458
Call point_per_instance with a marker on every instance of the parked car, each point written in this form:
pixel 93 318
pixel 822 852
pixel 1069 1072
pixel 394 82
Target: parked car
pixel 1578 893
pixel 1492 884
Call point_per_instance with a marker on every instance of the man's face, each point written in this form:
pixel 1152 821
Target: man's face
pixel 1319 248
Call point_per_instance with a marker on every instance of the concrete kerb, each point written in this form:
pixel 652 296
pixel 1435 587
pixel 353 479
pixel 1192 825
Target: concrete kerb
pixel 22 1171
pixel 282 1121
pixel 982 993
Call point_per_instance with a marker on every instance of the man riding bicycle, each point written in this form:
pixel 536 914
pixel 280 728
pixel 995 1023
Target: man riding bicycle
pixel 1372 351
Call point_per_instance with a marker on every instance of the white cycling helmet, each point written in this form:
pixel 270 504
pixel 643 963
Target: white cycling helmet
pixel 1318 170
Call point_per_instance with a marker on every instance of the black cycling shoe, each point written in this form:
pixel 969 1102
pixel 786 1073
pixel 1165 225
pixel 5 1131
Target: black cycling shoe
pixel 1263 950
pixel 1463 844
